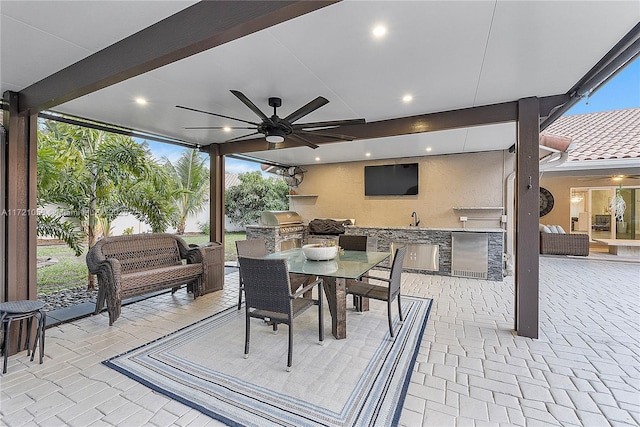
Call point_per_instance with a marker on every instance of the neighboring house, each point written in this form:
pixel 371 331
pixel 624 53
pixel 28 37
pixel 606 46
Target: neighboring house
pixel 605 155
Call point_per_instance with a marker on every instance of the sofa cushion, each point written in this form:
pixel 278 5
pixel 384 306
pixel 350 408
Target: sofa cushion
pixel 139 281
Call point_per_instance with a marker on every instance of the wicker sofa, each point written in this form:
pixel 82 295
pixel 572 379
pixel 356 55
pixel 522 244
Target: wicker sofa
pixel 564 244
pixel 132 265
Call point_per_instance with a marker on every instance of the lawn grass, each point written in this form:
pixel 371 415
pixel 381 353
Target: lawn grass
pixel 71 271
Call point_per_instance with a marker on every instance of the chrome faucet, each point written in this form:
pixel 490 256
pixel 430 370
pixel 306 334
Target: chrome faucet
pixel 416 221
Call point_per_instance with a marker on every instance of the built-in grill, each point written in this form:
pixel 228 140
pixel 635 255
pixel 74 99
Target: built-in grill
pixel 281 230
pixel 286 221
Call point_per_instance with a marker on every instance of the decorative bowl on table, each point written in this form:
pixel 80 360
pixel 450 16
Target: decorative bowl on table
pixel 318 252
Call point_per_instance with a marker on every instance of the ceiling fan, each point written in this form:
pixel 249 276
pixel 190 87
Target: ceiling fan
pixel 276 129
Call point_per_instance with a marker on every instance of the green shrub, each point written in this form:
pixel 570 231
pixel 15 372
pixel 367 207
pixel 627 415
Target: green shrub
pixel 127 231
pixel 204 228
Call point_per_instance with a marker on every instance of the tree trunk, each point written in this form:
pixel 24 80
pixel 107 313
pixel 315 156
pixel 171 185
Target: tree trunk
pixel 181 226
pixel 91 227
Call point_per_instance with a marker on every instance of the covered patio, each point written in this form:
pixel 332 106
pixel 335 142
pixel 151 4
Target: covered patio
pixel 498 74
pixel 471 367
pixel 520 85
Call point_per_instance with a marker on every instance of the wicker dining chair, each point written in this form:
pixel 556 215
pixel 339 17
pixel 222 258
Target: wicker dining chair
pixel 248 248
pixel 268 296
pixel 258 248
pixel 350 242
pixel 383 293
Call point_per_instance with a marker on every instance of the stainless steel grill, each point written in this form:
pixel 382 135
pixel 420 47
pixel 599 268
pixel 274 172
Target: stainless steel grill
pixel 290 229
pixel 287 222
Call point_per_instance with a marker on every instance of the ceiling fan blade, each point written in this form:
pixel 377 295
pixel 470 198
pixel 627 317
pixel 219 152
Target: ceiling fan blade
pixel 217 115
pixel 216 127
pixel 306 109
pixel 250 104
pixel 329 124
pixel 326 135
pixel 243 136
pixel 303 140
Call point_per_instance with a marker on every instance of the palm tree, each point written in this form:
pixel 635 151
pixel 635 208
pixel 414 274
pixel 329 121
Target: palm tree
pixel 190 177
pixel 49 163
pixel 99 174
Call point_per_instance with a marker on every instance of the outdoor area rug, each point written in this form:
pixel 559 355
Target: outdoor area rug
pixel 359 381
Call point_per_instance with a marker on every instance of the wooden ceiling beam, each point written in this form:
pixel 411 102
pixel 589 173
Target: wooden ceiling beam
pixel 445 120
pixel 200 27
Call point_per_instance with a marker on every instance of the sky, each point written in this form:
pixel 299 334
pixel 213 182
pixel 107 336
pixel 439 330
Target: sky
pixel 172 152
pixel 621 92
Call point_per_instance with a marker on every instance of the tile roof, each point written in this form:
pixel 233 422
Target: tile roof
pixel 601 136
pixel 231 180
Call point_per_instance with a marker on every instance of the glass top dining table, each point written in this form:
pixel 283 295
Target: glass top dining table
pixel 347 265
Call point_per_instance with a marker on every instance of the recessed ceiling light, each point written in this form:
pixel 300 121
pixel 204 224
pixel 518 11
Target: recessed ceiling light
pixel 407 98
pixel 226 129
pixel 141 101
pixel 317 159
pixel 428 148
pixel 379 31
pixel 618 178
pixel 368 154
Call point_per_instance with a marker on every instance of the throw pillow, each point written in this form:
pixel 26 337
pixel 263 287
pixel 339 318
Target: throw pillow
pixel 561 230
pixel 546 229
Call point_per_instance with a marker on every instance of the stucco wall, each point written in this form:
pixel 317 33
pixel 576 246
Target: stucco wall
pixel 459 180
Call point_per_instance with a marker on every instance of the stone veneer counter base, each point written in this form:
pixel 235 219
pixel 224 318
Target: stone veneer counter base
pixel 436 236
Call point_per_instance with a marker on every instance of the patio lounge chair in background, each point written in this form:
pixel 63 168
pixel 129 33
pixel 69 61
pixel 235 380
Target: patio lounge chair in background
pixel 268 296
pixel 383 293
pixel 564 244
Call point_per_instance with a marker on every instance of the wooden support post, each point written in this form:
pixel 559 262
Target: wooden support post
pixel 527 218
pixel 19 211
pixel 216 196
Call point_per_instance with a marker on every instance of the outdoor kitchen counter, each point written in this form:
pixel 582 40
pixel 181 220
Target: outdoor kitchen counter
pixel 424 238
pixel 419 228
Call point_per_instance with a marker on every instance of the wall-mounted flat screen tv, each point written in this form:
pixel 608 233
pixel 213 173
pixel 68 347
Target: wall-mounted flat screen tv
pixel 391 180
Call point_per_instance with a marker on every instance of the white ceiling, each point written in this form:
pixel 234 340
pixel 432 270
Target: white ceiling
pixel 447 54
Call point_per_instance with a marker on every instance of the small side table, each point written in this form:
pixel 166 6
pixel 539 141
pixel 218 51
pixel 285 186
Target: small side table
pixel 213 264
pixel 23 310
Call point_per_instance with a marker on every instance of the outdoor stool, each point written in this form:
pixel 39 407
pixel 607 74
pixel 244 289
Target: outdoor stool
pixel 23 310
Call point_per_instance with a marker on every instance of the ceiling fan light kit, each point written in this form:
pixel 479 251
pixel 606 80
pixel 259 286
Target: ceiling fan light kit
pixel 276 129
pixel 275 136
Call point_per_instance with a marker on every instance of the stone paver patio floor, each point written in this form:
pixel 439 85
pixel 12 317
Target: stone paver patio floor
pixel 472 368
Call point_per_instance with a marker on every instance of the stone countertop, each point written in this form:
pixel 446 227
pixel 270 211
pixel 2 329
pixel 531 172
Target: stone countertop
pixel 468 229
